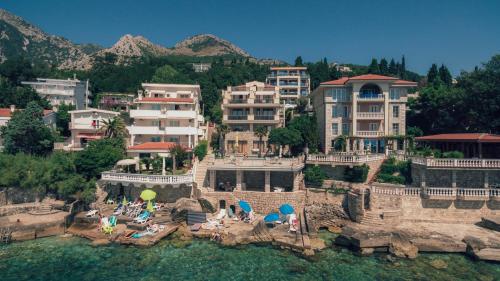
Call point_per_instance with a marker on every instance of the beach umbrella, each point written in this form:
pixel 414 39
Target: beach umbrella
pixel 286 209
pixel 245 206
pixel 271 217
pixel 124 201
pixel 148 195
pixel 150 207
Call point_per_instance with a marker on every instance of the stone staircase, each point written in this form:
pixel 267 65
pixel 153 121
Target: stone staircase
pixel 372 218
pixel 201 178
pixel 374 169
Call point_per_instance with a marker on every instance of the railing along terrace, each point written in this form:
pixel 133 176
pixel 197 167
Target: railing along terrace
pixel 237 117
pixel 457 162
pixel 440 191
pixel 142 178
pixel 238 100
pixel 264 117
pixel 259 162
pixel 264 101
pixel 345 158
pixel 473 192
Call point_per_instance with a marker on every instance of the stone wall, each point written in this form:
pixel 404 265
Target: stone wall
pixel 355 205
pixel 164 193
pixel 16 196
pixel 261 202
pixel 333 172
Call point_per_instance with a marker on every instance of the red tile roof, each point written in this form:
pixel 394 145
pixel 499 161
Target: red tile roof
pixel 154 146
pixel 185 100
pixel 6 112
pixel 465 137
pixel 344 80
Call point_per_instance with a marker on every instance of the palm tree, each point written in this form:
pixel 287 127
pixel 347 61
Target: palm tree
pixel 114 128
pixel 260 132
pixel 222 130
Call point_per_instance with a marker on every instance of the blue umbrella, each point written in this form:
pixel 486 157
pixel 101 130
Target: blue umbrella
pixel 272 217
pixel 286 209
pixel 245 206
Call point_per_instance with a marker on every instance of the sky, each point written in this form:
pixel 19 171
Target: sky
pixel 460 34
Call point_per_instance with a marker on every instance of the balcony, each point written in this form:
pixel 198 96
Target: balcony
pixel 158 114
pixel 369 133
pixel 288 83
pixel 264 117
pixel 155 130
pixel 237 117
pixel 265 101
pixel 344 158
pixel 457 163
pixel 238 101
pixel 143 178
pixel 370 115
pixel 370 96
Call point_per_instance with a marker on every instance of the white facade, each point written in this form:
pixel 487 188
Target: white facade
pixel 167 113
pixel 60 91
pixel 86 125
pixel 293 82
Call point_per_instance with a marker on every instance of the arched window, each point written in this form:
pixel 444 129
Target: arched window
pixel 370 91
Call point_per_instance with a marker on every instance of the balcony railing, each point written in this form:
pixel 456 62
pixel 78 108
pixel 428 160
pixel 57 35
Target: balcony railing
pixel 370 96
pixel 456 163
pixel 370 115
pixel 238 101
pixel 142 178
pixel 344 158
pixel 237 117
pixel 264 101
pixel 264 117
pixel 369 133
pixel 440 192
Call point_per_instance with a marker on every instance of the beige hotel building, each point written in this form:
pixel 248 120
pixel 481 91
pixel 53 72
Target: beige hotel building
pixel 366 109
pixel 246 107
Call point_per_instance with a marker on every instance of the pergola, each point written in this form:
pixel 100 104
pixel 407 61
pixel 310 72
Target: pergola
pixel 472 145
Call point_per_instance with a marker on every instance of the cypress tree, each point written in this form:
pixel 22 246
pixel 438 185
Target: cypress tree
pixel 445 75
pixel 433 73
pixel 373 68
pixel 392 68
pixel 298 61
pixel 384 68
pixel 403 68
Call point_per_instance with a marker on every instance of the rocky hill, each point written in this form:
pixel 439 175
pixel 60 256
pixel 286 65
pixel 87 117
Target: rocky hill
pixel 20 38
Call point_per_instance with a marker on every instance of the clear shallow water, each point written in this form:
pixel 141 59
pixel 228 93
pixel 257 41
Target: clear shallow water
pixel 75 259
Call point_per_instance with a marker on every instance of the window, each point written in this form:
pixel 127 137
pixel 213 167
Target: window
pixel 338 94
pixel 335 129
pixel 345 128
pixel 174 123
pixel 395 93
pixel 374 108
pixel 155 139
pixel 173 139
pixel 156 123
pixel 155 107
pixel 395 128
pixel 346 112
pixel 395 111
pixel 373 126
pixel 335 111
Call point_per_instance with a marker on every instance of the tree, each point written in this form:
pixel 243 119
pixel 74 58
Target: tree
pixel 432 74
pixel 284 136
pixel 298 61
pixel 383 67
pixel 201 150
pixel 308 129
pixel 393 68
pixel 99 156
pixel 445 75
pixel 178 154
pixel 373 67
pixel 20 96
pixel 402 73
pixel 26 132
pixel 63 117
pixel 168 74
pixel 114 128
pixel 222 131
pixel 260 132
pixel 314 176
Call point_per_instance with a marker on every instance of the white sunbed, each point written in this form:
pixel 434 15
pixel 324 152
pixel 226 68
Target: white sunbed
pixel 91 213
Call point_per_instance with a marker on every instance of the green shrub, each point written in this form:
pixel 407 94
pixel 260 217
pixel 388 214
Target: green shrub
pixel 356 173
pixel 453 154
pixel 393 171
pixel 314 176
pixel 397 179
pixel 201 150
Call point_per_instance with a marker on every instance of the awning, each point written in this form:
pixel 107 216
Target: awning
pixel 238 93
pixel 126 162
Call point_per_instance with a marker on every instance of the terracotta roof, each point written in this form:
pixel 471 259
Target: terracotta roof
pixel 185 100
pixel 466 137
pixel 154 146
pixel 6 112
pixel 344 80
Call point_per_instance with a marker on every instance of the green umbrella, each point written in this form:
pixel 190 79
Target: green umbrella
pixel 148 195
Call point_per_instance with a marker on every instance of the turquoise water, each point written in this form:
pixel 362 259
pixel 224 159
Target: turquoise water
pixel 75 259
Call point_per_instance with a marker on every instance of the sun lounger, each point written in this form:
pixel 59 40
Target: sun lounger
pixel 91 213
pixel 221 215
pixel 142 218
pixel 112 221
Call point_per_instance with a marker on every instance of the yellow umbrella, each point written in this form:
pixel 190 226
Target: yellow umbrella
pixel 150 207
pixel 148 194
pixel 124 201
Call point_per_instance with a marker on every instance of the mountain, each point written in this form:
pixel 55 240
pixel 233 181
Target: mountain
pixel 20 38
pixel 204 45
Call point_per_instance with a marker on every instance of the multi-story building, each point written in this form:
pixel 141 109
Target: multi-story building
pixel 86 125
pixel 293 82
pixel 60 91
pixel 116 101
pixel 366 109
pixel 167 113
pixel 201 67
pixel 246 107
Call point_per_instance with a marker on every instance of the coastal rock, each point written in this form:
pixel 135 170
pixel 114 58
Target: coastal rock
pixel 363 237
pixel 492 223
pixel 483 249
pixel 208 204
pixel 439 264
pixel 401 246
pixel 438 243
pixel 325 215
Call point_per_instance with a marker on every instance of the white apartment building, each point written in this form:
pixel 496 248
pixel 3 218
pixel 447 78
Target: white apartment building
pixel 368 110
pixel 293 82
pixel 60 91
pixel 86 125
pixel 167 113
